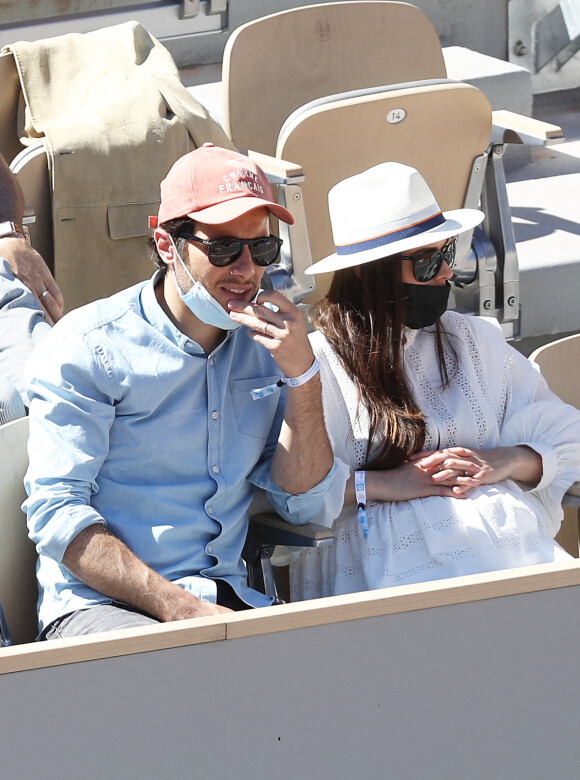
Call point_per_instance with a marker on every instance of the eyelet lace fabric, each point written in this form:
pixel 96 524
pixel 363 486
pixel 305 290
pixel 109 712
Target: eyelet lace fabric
pixel 496 397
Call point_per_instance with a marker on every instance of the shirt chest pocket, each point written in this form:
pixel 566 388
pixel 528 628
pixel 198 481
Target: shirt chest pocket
pixel 254 417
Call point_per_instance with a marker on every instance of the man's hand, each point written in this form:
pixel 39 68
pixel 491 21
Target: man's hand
pixel 282 332
pixel 181 605
pixel 103 562
pixel 30 268
pixel 303 456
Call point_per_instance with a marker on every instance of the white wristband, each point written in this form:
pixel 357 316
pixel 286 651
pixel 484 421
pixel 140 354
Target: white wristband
pixel 360 490
pixel 303 378
pixel 262 392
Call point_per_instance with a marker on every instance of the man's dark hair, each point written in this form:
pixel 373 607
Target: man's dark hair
pixel 173 227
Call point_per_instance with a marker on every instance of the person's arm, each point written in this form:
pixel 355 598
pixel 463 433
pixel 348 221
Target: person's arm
pixel 103 562
pixel 451 472
pixel 25 261
pixel 407 482
pixel 303 456
pixel 73 398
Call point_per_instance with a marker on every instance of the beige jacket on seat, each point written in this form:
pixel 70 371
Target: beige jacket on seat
pixel 113 115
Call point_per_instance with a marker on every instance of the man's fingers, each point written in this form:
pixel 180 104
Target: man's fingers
pixel 53 312
pixel 55 294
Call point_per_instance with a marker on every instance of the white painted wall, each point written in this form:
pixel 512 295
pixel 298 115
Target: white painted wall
pixel 462 691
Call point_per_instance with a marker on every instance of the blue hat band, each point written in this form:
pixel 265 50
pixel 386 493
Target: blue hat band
pixel 390 238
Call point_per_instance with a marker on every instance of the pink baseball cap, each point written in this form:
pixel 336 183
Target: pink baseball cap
pixel 215 185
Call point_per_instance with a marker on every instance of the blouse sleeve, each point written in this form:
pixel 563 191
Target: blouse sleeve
pixel 539 419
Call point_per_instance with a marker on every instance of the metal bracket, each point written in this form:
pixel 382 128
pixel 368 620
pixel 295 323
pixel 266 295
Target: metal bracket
pixel 288 276
pixel 217 6
pixel 474 281
pixel 499 228
pixel 557 34
pixel 486 268
pixel 465 261
pixel 190 8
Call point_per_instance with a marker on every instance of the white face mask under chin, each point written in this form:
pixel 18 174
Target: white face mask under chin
pixel 201 303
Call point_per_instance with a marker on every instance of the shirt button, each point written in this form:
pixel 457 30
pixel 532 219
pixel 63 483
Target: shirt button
pixel 210 510
pixel 215 469
pixel 214 415
pixel 211 361
pixel 210 548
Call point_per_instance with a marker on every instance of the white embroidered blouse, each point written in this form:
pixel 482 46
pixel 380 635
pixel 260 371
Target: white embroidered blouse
pixel 495 398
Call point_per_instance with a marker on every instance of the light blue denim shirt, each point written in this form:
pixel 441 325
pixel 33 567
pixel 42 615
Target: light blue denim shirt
pixel 133 426
pixel 22 326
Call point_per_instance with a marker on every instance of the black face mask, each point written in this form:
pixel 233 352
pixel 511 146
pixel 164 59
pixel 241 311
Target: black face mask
pixel 424 303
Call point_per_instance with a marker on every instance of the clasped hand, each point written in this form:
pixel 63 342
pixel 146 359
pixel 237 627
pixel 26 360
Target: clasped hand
pixel 453 472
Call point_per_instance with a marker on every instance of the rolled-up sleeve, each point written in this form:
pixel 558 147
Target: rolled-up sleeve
pixel 297 508
pixel 72 397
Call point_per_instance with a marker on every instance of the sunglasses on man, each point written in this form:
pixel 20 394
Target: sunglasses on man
pixel 427 264
pixel 225 251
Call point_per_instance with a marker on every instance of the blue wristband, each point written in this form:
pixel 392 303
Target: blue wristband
pixel 361 499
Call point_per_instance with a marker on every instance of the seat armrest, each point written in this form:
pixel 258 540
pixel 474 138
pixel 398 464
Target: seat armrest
pixel 266 531
pixel 278 171
pixel 273 530
pixel 511 128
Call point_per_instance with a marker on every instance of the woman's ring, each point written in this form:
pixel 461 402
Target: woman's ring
pixel 466 473
pixel 265 328
pixel 44 294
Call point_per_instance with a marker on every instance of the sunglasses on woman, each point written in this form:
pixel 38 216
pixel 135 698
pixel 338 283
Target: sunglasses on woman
pixel 427 264
pixel 225 251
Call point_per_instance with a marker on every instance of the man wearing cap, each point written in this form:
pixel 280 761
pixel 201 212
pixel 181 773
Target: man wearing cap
pixel 156 412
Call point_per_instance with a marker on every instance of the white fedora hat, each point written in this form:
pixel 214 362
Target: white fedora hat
pixel 385 210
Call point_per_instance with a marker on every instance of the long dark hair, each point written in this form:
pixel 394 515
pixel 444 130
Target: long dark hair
pixel 362 317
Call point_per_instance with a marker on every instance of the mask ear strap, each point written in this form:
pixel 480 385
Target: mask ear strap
pixel 185 268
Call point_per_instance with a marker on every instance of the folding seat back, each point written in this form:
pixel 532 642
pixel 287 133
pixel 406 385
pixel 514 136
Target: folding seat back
pixel 555 360
pixel 27 159
pixel 18 589
pixel 439 127
pixel 10 93
pixel 275 64
pixel 350 85
pixel 284 63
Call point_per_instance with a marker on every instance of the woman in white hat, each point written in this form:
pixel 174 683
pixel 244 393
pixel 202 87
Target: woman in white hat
pixel 453 453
